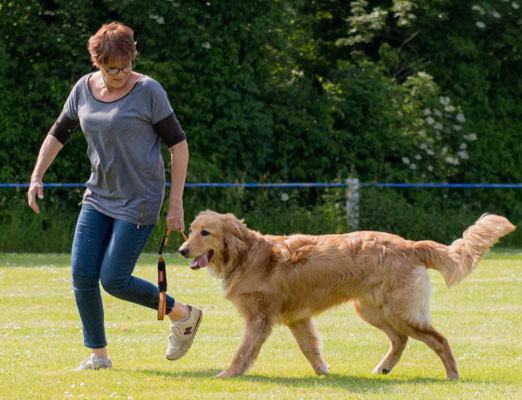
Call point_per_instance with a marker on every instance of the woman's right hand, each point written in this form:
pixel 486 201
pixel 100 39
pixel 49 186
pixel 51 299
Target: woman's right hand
pixel 50 148
pixel 35 189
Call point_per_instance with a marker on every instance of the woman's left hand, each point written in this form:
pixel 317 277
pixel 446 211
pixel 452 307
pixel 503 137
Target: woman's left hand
pixel 175 218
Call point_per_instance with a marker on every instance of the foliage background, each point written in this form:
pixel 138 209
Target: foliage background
pixel 286 91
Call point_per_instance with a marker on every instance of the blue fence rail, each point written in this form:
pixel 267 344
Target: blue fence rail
pixel 305 185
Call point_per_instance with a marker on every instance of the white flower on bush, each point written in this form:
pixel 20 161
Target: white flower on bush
pixel 157 18
pixel 470 137
pixel 461 118
pixel 437 123
pixel 285 197
pixel 478 8
pixel 444 100
pixel 463 146
pixel 463 154
pixel 495 14
pixel 480 24
pixel 452 160
pixel 515 5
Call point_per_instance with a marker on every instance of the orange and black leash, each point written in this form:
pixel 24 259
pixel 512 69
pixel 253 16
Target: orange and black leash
pixel 162 277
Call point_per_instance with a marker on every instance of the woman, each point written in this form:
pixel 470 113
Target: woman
pixel 124 116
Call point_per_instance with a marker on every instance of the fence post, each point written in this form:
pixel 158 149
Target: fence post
pixel 352 202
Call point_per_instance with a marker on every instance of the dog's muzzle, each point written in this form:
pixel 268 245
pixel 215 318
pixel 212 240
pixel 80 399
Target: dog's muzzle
pixel 201 261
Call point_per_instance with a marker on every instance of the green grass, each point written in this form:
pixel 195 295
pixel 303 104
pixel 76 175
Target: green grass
pixel 41 341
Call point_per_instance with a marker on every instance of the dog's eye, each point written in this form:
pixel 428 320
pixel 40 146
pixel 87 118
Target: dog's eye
pixel 205 233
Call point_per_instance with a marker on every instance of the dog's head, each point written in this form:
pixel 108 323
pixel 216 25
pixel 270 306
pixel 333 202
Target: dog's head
pixel 214 239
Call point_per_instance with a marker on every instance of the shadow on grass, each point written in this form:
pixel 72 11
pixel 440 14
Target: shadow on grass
pixel 335 381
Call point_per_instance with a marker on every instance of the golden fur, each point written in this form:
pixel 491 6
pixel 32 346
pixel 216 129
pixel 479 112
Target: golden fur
pixel 289 279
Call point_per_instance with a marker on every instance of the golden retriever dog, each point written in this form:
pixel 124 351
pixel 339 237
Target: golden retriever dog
pixel 289 279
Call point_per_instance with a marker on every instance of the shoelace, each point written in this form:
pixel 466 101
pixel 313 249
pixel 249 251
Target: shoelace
pixel 176 332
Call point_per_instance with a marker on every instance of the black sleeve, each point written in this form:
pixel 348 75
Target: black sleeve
pixel 63 128
pixel 169 130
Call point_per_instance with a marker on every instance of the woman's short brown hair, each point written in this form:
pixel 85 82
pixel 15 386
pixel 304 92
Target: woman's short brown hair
pixel 113 41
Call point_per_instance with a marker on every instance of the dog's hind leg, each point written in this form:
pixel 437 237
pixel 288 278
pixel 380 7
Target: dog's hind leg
pixel 408 311
pixel 310 344
pixel 433 339
pixel 256 331
pixel 398 340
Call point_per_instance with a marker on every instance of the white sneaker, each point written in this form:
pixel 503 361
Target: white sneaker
pixel 182 334
pixel 94 362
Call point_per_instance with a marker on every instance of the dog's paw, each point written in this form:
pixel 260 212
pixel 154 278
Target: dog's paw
pixel 452 376
pixel 322 369
pixel 381 371
pixel 227 374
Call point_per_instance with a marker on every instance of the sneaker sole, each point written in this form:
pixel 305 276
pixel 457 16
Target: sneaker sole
pixel 172 358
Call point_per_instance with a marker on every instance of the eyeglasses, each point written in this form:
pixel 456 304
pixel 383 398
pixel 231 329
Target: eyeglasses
pixel 115 71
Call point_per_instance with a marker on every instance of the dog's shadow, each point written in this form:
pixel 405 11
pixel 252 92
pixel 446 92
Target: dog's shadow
pixel 355 384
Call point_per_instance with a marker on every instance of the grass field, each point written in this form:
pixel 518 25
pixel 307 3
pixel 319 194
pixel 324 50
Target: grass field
pixel 41 341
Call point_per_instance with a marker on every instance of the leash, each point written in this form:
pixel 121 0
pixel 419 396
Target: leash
pixel 162 276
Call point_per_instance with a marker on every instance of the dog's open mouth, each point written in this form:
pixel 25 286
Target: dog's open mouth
pixel 202 260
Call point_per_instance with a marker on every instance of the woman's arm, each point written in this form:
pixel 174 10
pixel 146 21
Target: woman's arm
pixel 50 148
pixel 179 156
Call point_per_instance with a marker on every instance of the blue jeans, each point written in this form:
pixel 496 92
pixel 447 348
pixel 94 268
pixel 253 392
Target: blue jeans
pixel 105 250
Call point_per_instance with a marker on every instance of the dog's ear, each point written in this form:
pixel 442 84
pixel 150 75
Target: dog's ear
pixel 235 236
pixel 236 227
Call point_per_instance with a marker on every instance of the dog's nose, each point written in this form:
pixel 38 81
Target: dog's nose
pixel 184 251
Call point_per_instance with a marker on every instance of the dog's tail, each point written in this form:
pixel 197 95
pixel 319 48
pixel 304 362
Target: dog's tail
pixel 458 260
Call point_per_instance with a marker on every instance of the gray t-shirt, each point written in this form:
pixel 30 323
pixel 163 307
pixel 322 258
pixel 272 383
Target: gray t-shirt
pixel 127 179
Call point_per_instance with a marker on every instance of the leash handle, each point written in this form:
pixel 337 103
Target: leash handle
pixel 162 279
pixel 162 276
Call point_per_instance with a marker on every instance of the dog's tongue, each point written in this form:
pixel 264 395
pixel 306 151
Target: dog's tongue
pixel 202 260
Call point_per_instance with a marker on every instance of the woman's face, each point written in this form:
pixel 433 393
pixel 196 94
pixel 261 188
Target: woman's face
pixel 115 73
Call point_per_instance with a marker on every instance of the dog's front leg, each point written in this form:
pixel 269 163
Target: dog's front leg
pixel 256 331
pixel 310 344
